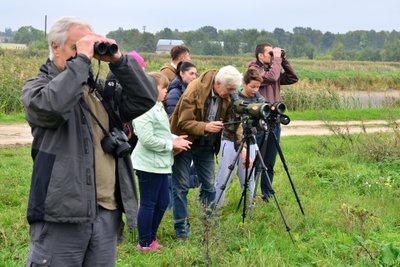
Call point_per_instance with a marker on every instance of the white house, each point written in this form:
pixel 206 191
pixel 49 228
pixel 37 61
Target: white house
pixel 165 45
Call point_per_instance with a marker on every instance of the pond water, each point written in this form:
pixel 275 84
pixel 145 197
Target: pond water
pixel 363 99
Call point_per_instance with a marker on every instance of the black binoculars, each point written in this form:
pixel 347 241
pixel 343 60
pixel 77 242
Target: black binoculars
pixel 283 53
pixel 105 48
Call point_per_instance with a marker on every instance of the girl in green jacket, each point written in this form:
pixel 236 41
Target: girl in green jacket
pixel 152 159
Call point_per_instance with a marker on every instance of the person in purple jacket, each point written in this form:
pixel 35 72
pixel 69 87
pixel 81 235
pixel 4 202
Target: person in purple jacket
pixel 275 70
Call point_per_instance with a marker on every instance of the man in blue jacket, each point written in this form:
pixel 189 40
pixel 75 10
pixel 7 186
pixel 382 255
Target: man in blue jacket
pixel 78 190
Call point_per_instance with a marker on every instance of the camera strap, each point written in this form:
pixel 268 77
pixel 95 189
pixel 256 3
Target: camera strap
pixel 110 86
pixel 84 106
pixel 109 89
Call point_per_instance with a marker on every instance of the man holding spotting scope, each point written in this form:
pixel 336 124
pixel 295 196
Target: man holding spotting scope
pixel 269 63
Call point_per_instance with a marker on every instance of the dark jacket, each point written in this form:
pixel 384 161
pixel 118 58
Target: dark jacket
pixel 189 115
pixel 270 87
pixel 63 186
pixel 175 90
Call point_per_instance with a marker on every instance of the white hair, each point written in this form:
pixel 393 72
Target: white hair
pixel 229 75
pixel 59 31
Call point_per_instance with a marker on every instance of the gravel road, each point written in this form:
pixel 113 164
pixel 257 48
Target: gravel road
pixel 19 134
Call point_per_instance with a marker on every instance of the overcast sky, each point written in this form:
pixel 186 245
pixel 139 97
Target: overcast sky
pixel 336 16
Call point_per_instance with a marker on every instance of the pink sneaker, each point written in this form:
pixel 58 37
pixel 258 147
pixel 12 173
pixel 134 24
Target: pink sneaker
pixel 143 249
pixel 155 245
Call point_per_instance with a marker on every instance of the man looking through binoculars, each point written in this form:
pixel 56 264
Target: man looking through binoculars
pixel 79 189
pixel 269 63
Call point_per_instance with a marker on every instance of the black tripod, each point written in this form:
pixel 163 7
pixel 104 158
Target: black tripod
pixel 250 139
pixel 269 129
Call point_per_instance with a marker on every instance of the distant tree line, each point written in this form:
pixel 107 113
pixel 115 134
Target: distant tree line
pixel 301 43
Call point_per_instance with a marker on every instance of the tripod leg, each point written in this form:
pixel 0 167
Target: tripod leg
pixel 247 175
pixel 246 178
pixel 227 179
pixel 264 169
pixel 247 165
pixel 278 147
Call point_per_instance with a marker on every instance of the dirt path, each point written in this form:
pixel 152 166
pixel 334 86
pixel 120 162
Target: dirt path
pixel 19 134
pixel 15 134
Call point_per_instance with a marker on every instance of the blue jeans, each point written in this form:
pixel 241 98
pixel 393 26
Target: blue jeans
pixel 154 199
pixel 269 157
pixel 203 160
pixel 193 183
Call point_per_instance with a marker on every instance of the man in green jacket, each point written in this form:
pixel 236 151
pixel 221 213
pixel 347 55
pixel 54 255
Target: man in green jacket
pixel 200 114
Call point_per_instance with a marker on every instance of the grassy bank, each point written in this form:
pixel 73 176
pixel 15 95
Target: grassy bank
pixel 350 202
pixel 347 115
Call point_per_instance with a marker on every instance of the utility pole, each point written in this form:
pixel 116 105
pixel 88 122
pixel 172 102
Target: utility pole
pixel 45 26
pixel 144 29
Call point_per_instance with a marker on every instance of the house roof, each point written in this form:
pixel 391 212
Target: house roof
pixel 169 42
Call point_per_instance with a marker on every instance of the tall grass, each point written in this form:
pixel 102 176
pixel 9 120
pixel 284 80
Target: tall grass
pixel 350 202
pixel 319 79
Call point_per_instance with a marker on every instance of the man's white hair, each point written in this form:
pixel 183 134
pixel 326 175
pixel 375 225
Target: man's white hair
pixel 229 75
pixel 59 31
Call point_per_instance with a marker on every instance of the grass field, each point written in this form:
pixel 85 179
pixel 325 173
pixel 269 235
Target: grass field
pixel 350 200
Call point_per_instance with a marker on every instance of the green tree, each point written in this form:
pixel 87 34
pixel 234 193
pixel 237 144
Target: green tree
pixel 266 37
pixel 368 54
pixel 210 31
pixel 351 40
pixel 327 41
pixel 250 40
pixel 391 51
pixel 147 43
pixel 166 33
pixel 363 40
pixel 8 33
pixel 282 36
pixel 313 37
pixel 193 38
pixel 231 42
pixel 117 35
pixel 39 45
pixel 338 51
pixel 298 48
pixel 131 40
pixel 27 35
pixel 212 48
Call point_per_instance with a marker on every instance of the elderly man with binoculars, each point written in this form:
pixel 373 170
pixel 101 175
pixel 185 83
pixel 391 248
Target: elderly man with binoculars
pixel 82 177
